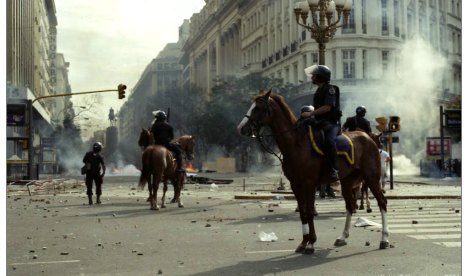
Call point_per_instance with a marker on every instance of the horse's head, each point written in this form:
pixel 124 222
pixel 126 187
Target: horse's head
pixel 146 138
pixel 259 115
pixel 187 143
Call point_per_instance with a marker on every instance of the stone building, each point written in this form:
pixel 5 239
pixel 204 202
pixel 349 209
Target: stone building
pixel 33 69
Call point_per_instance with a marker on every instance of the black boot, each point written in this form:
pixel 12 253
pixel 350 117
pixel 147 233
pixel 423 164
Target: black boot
pixel 330 192
pixel 90 199
pixel 98 200
pixel 180 165
pixel 334 176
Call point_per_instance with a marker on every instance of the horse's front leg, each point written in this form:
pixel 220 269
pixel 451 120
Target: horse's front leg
pixel 310 222
pixel 179 184
pixel 305 226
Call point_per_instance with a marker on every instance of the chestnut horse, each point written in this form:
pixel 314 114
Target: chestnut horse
pixel 159 163
pixel 305 169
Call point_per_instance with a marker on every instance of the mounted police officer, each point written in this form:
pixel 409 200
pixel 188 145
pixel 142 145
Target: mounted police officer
pixel 163 134
pixel 327 113
pixel 94 164
pixel 358 122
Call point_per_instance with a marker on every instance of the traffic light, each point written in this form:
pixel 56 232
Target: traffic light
pixel 394 124
pixel 382 124
pixel 121 88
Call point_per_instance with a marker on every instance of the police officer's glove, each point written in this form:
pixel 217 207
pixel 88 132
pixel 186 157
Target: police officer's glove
pixel 309 121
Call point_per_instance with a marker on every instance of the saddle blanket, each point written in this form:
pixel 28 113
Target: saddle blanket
pixel 344 145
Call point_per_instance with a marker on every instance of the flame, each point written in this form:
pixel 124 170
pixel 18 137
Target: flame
pixel 190 168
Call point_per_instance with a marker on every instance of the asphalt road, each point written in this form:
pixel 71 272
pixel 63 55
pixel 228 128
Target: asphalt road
pixel 213 235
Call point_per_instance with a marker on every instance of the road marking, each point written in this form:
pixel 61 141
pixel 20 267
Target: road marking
pixel 269 251
pixel 52 262
pixel 453 224
pixel 435 237
pixel 431 230
pixel 449 244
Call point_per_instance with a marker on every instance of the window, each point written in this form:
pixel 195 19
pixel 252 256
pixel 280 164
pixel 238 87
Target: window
pixel 314 58
pixel 396 15
pixel 350 28
pixel 385 60
pixel 364 17
pixel 364 66
pixel 384 18
pixel 349 71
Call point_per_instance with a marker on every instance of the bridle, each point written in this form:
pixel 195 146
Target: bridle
pixel 256 127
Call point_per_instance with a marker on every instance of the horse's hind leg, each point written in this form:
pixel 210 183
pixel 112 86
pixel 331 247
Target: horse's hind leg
pixel 154 197
pixel 382 202
pixel 163 199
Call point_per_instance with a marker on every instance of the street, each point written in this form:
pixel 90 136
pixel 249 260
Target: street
pixel 217 235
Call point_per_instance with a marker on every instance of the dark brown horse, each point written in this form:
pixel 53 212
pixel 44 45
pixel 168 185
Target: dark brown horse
pixel 305 169
pixel 158 164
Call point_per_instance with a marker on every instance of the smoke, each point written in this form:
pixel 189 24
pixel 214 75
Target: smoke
pixel 410 93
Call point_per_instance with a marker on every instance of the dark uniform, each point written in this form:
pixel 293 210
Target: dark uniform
pixel 94 162
pixel 163 134
pixel 357 123
pixel 328 94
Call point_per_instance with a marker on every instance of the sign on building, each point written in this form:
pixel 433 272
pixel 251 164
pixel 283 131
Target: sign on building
pixel 433 148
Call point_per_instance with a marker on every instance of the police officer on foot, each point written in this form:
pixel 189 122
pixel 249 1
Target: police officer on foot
pixel 327 113
pixel 358 122
pixel 163 134
pixel 94 163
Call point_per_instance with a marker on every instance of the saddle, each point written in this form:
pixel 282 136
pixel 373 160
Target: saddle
pixel 344 144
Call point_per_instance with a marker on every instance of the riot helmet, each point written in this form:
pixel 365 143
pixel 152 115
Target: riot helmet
pixel 307 108
pixel 361 111
pixel 159 114
pixel 97 147
pixel 322 71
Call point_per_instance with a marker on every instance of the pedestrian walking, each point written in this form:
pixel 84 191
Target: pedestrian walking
pixel 384 159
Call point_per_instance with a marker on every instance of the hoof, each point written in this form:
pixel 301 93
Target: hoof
pixel 315 213
pixel 339 242
pixel 369 210
pixel 309 249
pixel 361 207
pixel 300 249
pixel 181 205
pixel 384 245
pixel 173 200
pixel 163 205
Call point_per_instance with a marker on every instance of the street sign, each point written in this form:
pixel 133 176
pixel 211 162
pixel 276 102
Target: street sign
pixel 453 118
pixel 384 139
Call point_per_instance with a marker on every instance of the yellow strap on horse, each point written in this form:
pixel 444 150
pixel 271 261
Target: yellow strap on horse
pixel 319 151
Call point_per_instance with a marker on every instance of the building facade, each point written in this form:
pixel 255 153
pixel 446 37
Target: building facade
pixel 34 69
pixel 233 38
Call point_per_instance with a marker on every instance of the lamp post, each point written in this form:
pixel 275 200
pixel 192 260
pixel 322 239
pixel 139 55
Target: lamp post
pixel 326 18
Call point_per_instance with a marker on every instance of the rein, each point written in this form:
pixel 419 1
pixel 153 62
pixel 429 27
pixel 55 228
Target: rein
pixel 256 127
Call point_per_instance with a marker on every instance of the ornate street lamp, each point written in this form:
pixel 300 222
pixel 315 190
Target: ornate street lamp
pixel 323 12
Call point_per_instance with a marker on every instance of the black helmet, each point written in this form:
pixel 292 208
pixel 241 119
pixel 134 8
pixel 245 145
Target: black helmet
pixel 361 111
pixel 160 114
pixel 323 72
pixel 97 147
pixel 307 108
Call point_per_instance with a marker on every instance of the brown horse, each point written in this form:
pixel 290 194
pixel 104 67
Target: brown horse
pixel 159 163
pixel 305 169
pixel 364 190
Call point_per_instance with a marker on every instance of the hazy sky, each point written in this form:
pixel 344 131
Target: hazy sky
pixel 108 42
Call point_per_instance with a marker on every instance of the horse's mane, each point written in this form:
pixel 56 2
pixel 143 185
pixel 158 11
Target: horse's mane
pixel 283 106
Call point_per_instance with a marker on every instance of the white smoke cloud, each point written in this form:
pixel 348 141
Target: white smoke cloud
pixel 410 92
